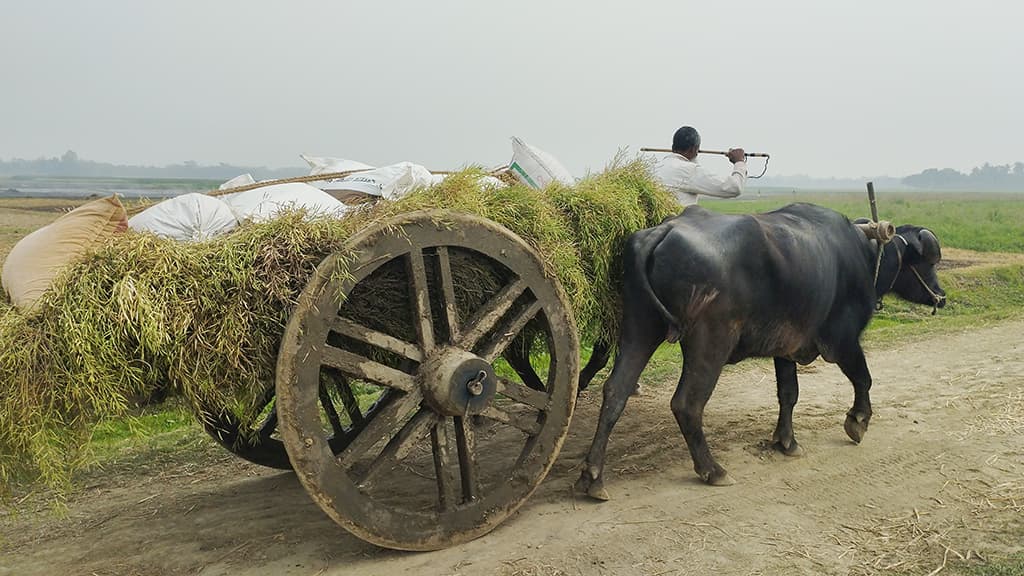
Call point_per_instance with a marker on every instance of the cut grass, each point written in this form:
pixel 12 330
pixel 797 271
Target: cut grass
pixel 202 321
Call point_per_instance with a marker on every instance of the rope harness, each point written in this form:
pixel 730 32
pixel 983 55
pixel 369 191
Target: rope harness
pixel 766 159
pixel 936 299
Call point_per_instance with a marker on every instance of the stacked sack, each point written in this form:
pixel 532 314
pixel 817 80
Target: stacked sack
pixel 37 259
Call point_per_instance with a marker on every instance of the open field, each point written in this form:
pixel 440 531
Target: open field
pixel 937 483
pixel 986 222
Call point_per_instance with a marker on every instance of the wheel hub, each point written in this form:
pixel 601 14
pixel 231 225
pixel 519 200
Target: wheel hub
pixel 458 383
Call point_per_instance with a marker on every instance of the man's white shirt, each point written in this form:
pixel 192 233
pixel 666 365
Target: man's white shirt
pixel 687 179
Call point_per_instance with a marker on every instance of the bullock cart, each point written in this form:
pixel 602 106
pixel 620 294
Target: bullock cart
pixel 396 401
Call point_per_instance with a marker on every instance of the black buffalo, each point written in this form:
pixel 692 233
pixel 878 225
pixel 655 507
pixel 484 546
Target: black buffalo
pixel 791 284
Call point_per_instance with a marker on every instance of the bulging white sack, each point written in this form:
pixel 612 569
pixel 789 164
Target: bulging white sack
pixel 266 202
pixel 535 167
pixel 389 182
pixel 326 165
pixel 186 218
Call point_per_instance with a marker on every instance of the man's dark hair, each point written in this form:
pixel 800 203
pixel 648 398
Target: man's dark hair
pixel 685 138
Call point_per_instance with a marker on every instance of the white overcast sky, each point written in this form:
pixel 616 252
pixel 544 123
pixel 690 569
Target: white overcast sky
pixel 845 89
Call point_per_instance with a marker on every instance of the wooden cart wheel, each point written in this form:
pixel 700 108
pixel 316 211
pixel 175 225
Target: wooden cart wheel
pixel 262 445
pixel 459 442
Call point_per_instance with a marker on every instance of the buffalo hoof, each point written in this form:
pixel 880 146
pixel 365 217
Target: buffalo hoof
pixel 794 449
pixel 856 426
pixel 717 478
pixel 591 487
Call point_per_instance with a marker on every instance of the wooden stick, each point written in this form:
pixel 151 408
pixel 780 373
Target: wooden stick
pixel 721 152
pixel 871 199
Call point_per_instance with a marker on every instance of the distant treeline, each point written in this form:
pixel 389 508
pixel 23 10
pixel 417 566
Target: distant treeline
pixel 71 165
pixel 1008 177
pixel 987 177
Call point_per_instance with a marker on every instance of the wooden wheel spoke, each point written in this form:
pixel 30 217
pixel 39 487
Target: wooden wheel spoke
pixel 491 313
pixel 421 300
pixel 381 427
pixel 446 469
pixel 348 399
pixel 399 446
pixel 527 423
pixel 504 336
pixel 357 331
pixel 523 394
pixel 332 412
pixel 465 441
pixel 361 367
pixel 451 310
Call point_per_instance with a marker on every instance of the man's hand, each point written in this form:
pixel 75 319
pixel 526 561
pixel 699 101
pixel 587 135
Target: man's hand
pixel 736 155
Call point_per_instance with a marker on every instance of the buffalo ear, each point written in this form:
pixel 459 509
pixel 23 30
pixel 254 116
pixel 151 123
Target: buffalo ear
pixel 931 252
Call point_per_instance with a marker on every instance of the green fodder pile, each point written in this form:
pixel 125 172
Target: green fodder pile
pixel 203 320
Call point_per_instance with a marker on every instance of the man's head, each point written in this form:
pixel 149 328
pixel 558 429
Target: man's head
pixel 686 141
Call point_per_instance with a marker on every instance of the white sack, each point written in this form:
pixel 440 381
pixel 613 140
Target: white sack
pixel 326 165
pixel 535 167
pixel 389 182
pixel 237 182
pixel 485 180
pixel 186 218
pixel 266 202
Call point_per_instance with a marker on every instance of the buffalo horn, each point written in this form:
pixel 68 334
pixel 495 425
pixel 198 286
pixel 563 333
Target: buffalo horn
pixel 930 250
pixel 882 231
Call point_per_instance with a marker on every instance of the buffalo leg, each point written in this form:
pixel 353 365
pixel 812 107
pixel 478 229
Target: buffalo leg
pixel 855 367
pixel 634 352
pixel 518 357
pixel 789 391
pixel 705 353
pixel 598 360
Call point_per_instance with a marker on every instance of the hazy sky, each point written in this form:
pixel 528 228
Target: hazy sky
pixel 843 89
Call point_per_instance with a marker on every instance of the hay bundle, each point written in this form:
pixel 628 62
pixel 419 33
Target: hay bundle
pixel 204 320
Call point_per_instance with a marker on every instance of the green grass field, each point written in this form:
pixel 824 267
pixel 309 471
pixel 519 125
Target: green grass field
pixel 986 222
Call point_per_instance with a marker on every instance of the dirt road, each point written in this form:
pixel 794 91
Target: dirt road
pixel 938 480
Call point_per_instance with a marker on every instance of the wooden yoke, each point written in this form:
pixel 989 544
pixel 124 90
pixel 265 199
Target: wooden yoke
pixel 882 231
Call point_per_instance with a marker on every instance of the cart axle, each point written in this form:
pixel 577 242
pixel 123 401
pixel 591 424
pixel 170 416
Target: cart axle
pixel 457 382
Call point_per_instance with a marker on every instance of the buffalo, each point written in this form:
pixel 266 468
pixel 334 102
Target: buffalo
pixel 792 284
